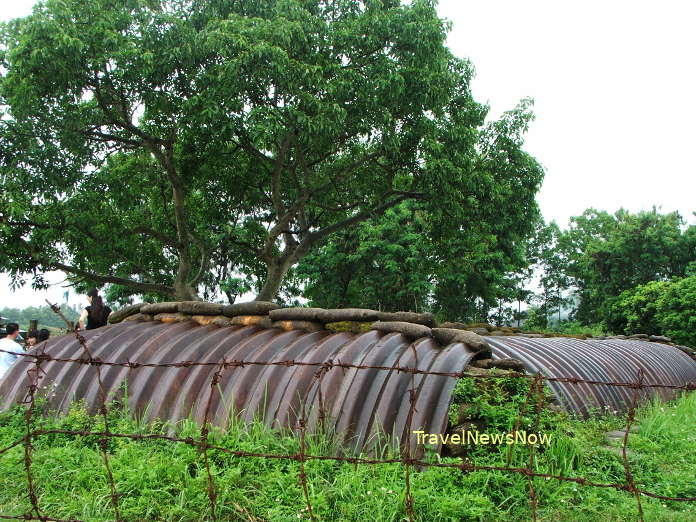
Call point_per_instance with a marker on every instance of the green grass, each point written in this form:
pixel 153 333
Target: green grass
pixel 160 480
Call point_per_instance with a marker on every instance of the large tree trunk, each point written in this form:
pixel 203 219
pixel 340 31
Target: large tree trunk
pixel 275 272
pixel 185 292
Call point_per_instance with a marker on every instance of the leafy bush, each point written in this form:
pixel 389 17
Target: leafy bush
pixel 660 308
pixel 676 310
pixel 634 311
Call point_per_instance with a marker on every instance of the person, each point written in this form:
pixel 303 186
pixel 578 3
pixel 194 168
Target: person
pixel 32 338
pixel 96 314
pixel 9 343
pixel 44 334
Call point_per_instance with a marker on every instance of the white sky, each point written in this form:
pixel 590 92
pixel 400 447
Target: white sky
pixel 613 83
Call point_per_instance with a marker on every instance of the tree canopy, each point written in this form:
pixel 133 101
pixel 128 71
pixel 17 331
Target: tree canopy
pixel 199 147
pixel 608 254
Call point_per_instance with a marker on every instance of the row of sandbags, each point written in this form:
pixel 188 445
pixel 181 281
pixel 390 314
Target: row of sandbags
pixel 270 315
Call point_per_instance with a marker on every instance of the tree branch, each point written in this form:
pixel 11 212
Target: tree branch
pixel 107 279
pixel 312 238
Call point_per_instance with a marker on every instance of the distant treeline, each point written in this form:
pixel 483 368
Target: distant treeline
pixel 46 317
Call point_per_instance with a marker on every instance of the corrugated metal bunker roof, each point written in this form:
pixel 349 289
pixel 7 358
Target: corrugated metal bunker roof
pixel 358 402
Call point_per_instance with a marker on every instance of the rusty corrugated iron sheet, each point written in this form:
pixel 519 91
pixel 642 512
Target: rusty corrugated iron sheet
pixel 610 360
pixel 359 403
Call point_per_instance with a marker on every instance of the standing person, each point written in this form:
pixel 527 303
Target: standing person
pixel 96 314
pixel 9 343
pixel 43 335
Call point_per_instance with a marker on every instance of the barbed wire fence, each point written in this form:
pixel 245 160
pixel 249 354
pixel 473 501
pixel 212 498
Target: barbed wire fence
pixel 406 458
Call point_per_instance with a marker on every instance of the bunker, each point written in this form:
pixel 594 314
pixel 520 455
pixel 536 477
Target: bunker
pixel 340 367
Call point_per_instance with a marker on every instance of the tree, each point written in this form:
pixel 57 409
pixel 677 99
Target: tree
pixel 552 263
pixel 608 254
pixel 676 311
pixel 44 315
pixel 658 307
pixel 634 311
pixel 384 263
pixel 172 147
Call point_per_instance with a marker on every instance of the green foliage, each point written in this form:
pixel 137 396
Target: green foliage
pixel 46 317
pixel 660 308
pixel 398 262
pixel 676 311
pixel 577 328
pixel 609 254
pixel 633 311
pixel 551 262
pixel 536 319
pixel 383 263
pixel 161 480
pixel 172 148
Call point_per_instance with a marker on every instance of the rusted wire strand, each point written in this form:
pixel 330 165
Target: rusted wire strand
pixel 406 447
pixel 33 375
pixel 212 493
pixel 691 386
pixel 537 385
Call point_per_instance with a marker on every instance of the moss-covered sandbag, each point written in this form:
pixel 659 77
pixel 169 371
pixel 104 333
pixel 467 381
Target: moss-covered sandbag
pixel 426 319
pixel 349 326
pixel 216 320
pixel 475 342
pixel 455 325
pixel 410 330
pixel 177 317
pixel 508 364
pixel 249 308
pixel 307 326
pixel 167 307
pixel 338 315
pixel 139 317
pixel 199 308
pixel 296 314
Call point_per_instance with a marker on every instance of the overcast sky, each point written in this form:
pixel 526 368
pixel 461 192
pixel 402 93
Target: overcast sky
pixel 614 89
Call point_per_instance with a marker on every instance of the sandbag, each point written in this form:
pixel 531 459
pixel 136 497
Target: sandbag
pixel 217 320
pixel 120 315
pixel 168 307
pixel 410 330
pixel 262 321
pixel 296 314
pixel 308 326
pixel 480 363
pixel 446 336
pixel 249 308
pixel 221 321
pixel 338 315
pixel 199 308
pixel 139 317
pixel 660 339
pixel 407 317
pixel 177 317
pixel 507 364
pixel 456 325
pixel 349 326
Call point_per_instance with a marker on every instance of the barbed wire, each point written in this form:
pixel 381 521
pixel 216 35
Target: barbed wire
pixel 330 364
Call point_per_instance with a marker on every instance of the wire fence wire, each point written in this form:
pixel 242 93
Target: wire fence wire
pixel 406 458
